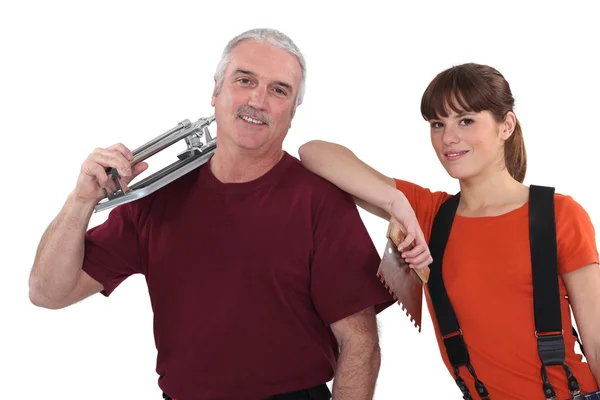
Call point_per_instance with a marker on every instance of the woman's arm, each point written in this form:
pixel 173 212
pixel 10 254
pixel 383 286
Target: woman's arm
pixel 583 287
pixel 372 191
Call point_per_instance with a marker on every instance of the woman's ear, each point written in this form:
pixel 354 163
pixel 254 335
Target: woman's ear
pixel 508 126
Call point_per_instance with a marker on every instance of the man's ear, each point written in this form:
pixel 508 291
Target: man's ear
pixel 294 112
pixel 214 94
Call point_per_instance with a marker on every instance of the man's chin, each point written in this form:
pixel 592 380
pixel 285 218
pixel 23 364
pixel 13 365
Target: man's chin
pixel 249 143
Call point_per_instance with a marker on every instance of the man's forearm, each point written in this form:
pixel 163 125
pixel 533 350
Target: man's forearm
pixel 357 371
pixel 59 256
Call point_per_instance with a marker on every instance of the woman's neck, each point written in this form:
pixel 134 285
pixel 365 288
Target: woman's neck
pixel 491 194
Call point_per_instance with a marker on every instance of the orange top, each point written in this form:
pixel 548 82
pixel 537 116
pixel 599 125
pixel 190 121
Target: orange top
pixel 487 274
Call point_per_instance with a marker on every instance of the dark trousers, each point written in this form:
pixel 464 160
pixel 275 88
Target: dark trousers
pixel 592 396
pixel 320 392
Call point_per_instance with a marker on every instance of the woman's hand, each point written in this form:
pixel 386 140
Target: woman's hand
pixel 414 248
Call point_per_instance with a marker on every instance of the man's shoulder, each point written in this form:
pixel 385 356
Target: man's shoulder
pixel 165 195
pixel 308 180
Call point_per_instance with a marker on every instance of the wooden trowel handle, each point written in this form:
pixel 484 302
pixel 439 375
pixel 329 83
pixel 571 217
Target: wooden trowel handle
pixel 395 233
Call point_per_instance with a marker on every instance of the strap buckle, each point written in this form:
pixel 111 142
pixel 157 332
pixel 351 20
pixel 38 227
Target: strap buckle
pixel 458 356
pixel 456 348
pixel 551 349
pixel 462 385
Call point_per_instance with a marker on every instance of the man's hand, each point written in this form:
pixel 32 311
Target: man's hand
pixel 359 358
pixel 93 178
pixel 414 247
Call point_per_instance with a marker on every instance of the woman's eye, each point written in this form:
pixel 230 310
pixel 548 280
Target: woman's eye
pixel 466 121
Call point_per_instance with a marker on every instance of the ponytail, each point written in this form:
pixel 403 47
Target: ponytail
pixel 515 156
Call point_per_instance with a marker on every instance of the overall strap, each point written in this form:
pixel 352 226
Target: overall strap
pixel 454 342
pixel 546 292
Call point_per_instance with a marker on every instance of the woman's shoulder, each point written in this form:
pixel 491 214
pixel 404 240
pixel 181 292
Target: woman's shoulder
pixel 424 201
pixel 566 207
pixel 572 220
pixel 575 234
pixel 420 190
pixel 419 195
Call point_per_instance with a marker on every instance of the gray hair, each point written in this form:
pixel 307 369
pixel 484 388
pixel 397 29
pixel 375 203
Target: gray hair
pixel 272 37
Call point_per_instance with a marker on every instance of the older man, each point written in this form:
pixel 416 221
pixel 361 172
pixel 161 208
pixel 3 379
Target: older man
pixel 269 293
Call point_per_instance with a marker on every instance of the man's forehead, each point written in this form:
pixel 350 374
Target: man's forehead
pixel 266 61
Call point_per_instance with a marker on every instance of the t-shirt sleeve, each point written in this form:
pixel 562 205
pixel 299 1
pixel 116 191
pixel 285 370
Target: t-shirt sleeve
pixel 424 202
pixel 576 237
pixel 112 249
pixel 344 261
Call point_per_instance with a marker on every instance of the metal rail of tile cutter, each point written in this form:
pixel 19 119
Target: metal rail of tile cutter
pixel 200 146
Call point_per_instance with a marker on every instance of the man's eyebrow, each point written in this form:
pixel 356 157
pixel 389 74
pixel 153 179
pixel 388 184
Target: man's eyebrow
pixel 243 71
pixel 246 72
pixel 283 84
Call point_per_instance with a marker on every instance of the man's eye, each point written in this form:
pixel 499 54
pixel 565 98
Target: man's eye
pixel 280 91
pixel 244 81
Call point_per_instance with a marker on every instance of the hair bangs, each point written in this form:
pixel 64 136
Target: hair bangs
pixel 459 89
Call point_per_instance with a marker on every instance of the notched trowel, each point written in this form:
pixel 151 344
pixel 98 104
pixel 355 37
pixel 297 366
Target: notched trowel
pixel 404 283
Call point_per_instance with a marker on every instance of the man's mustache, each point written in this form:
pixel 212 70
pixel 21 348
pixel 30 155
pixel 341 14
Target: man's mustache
pixel 254 113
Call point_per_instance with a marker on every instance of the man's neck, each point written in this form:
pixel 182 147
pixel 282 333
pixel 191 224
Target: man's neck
pixel 238 166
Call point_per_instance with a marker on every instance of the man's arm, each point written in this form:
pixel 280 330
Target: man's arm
pixel 359 358
pixel 57 279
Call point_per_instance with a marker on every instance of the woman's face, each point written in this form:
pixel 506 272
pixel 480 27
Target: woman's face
pixel 469 143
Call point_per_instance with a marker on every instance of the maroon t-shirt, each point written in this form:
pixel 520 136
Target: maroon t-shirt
pixel 244 279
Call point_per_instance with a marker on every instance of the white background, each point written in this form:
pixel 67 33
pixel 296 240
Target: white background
pixel 77 75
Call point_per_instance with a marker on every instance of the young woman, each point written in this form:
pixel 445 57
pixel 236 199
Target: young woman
pixel 487 269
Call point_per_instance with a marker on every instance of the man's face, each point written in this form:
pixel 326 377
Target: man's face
pixel 253 110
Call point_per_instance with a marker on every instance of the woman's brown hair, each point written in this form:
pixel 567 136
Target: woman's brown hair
pixel 473 88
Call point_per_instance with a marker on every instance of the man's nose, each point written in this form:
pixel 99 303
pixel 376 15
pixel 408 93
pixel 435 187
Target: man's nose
pixel 258 98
